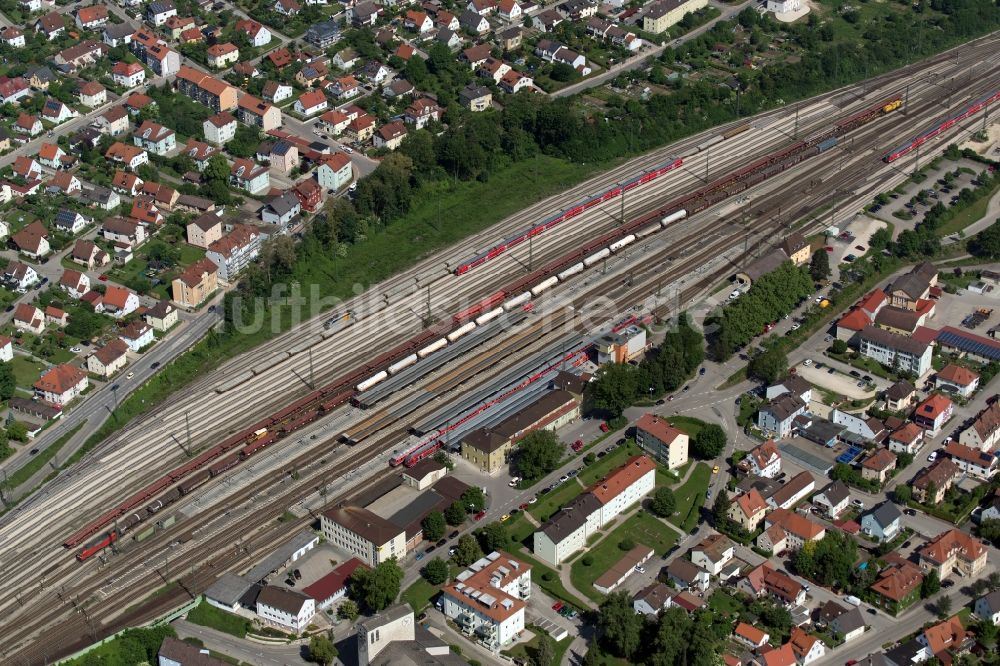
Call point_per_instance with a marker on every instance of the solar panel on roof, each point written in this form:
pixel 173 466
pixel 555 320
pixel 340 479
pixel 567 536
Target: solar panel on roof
pixel 968 345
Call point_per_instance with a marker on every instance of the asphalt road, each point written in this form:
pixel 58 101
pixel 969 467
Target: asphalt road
pixel 246 651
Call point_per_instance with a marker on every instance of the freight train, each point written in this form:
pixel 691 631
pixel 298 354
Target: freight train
pixel 555 219
pixel 311 407
pixel 940 127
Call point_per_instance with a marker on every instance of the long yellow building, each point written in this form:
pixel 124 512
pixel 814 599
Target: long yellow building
pixel 661 15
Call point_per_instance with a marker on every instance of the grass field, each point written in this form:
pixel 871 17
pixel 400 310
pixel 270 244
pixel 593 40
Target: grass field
pixel 215 618
pixel 419 594
pixel 603 466
pixel 969 215
pixel 641 528
pixel 690 496
pixel 526 651
pixel 547 578
pixel 687 424
pixel 26 371
pixel 550 502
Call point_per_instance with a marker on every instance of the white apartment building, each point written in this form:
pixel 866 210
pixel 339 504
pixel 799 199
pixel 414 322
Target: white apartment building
pixel 487 600
pixel 234 251
pixel 286 608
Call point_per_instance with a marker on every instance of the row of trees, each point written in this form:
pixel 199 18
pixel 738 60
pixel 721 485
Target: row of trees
pixel 666 368
pixel 771 297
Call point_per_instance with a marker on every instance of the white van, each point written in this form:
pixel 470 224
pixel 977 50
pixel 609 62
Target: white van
pixel 854 601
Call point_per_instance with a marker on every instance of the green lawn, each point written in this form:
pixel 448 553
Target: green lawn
pixel 721 602
pixel 548 579
pixel 688 424
pixel 215 618
pixel 604 466
pixel 690 496
pixel 549 503
pixel 969 215
pixel 641 528
pixel 419 594
pixel 26 371
pixel 526 650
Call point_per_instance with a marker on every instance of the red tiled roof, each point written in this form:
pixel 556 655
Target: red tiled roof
pixel 956 374
pixel 622 478
pixel 60 379
pixel 333 582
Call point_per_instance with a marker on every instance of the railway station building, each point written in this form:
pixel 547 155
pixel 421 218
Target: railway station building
pixel 489 448
pixel 364 534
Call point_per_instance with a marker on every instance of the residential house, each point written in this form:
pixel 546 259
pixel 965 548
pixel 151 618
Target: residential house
pixel 972 461
pixel 798 529
pixel 276 92
pixel 86 253
pixel 113 122
pixel 661 15
pixel 291 7
pixel 900 396
pixel 686 575
pixel 61 385
pixel 747 510
pixel 510 10
pixel 361 128
pixel 12 37
pixel 281 210
pixel 713 553
pixel 784 589
pixel 375 72
pixel 476 98
pixel 246 175
pixel 933 413
pixel 421 112
pixel 29 125
pixel 907 439
pixel 155 138
pixel 220 128
pixel 221 56
pixel 310 103
pixel 70 221
pixel 957 379
pixel 200 152
pixel 390 135
pixel 54 157
pixel 309 194
pixel 234 251
pixel 29 318
pixel 776 416
pixel 13 89
pixel 806 647
pixel 481 7
pixel 120 301
pixel 108 359
pixel 92 94
pixel 984 433
pixel 81 55
pixel 547 20
pixel 312 73
pixel 253 111
pixel 162 317
pixel 117 34
pixel 932 482
pixel 752 584
pixel 897 587
pixel 137 334
pixel 652 599
pixel 75 283
pixel 772 540
pixel 257 34
pixel 473 23
pixel 128 74
pixel 326 33
pixel 795 490
pixel 284 157
pixel 345 59
pixel 895 351
pixel 846 624
pixel 666 444
pixel 124 233
pixel 64 182
pixel 195 284
pixel 763 460
pixel 334 171
pixel 987 607
pixel 750 636
pixel 286 608
pixel 27 167
pixel 882 523
pixel 127 183
pixel 953 551
pixel 52 25
pixel 130 157
pixel 878 466
pixel 834 499
pixel 793 385
pixel 102 197
pixel 417 21
pixel 32 240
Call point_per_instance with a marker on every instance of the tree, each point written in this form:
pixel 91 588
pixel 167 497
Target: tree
pixel 614 389
pixel 709 442
pixel 538 454
pixel 7 381
pixel 986 632
pixel 930 585
pixel 493 537
pixel 377 588
pixel 769 366
pixel 474 499
pixel 17 431
pixel 943 606
pixel 664 503
pixel 436 571
pixel 989 529
pixel 216 169
pixel 620 625
pixel 467 550
pixel 902 493
pixel 819 265
pixel 455 513
pixel 545 651
pixel 839 346
pixel 434 526
pixel 348 610
pixel 322 650
pixel 720 508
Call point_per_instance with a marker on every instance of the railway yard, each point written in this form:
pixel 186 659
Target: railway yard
pixel 319 411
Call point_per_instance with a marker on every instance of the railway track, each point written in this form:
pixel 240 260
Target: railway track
pixel 845 180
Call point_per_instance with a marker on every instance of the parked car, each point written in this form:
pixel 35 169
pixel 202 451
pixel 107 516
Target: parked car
pixel 605 427
pixel 479 516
